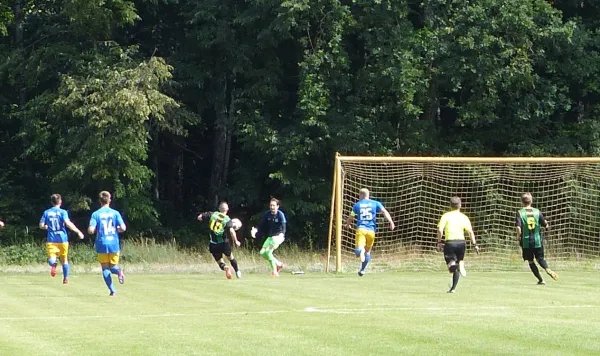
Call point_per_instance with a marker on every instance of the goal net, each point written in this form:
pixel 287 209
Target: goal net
pixel 417 191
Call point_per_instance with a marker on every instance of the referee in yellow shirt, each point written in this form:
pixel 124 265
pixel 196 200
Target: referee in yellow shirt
pixel 452 227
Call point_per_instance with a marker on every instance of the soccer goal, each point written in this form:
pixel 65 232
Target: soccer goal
pixel 417 190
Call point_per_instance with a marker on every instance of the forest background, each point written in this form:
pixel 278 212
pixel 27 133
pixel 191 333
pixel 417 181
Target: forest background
pixel 175 105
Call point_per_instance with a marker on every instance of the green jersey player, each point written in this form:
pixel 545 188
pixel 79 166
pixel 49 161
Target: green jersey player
pixel 222 230
pixel 529 222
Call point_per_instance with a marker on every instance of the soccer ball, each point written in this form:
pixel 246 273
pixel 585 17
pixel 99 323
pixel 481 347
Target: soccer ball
pixel 237 224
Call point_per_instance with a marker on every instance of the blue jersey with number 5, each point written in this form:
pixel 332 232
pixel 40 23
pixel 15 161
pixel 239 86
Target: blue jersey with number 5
pixel 365 211
pixel 106 220
pixel 55 219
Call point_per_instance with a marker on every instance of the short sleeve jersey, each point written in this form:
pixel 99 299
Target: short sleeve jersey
pixel 55 219
pixel 454 223
pixel 365 211
pixel 106 220
pixel 219 225
pixel 530 220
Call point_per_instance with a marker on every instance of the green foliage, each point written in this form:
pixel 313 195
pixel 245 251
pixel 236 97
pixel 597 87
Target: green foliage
pixel 96 19
pixel 100 126
pixel 109 95
pixel 6 17
pixel 22 254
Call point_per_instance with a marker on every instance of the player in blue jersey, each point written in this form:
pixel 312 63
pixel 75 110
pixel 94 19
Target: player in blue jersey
pixel 365 211
pixel 56 221
pixel 272 228
pixel 106 223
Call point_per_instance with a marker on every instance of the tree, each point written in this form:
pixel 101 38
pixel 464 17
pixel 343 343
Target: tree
pixel 100 126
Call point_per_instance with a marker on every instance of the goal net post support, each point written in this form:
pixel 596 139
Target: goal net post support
pixel 417 191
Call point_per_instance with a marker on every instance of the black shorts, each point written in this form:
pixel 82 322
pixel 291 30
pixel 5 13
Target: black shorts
pixel 454 251
pixel 218 250
pixel 530 253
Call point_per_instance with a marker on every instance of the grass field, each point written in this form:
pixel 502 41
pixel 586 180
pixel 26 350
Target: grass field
pixel 393 313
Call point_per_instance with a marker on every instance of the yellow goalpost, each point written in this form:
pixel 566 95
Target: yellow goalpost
pixel 416 191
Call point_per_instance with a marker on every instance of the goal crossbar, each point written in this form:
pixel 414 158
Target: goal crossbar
pixel 418 159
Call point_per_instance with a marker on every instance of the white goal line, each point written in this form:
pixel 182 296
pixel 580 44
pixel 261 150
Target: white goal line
pixel 325 310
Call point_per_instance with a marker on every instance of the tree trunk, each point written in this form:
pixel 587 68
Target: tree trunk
pixel 19 31
pixel 174 185
pixel 432 110
pixel 221 141
pixel 230 126
pixel 155 165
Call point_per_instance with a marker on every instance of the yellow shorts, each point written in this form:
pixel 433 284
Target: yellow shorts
pixel 60 249
pixel 365 237
pixel 111 258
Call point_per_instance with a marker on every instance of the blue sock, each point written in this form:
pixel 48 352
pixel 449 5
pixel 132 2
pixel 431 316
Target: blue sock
pixel 357 251
pixel 108 279
pixel 65 270
pixel 367 259
pixel 52 261
pixel 115 269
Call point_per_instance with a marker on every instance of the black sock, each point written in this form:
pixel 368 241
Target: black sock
pixel 455 277
pixel 543 263
pixel 222 265
pixel 234 264
pixel 535 271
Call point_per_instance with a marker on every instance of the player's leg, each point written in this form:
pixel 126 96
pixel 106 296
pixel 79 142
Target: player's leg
pixel 114 266
pixel 271 243
pixel 232 260
pixel 361 242
pixel 63 255
pixel 528 256
pixel 277 241
pixel 217 253
pixel 265 249
pixel 369 241
pixel 451 258
pixel 104 260
pixel 539 256
pixel 52 250
pixel 460 257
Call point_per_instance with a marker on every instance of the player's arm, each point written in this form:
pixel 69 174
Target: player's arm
pixel 92 225
pixel 258 232
pixel 43 224
pixel 121 227
pixel 469 229
pixel 204 216
pixel 388 217
pixel 233 234
pixel 518 226
pixel 440 231
pixel 282 224
pixel 70 225
pixel 352 216
pixel 543 222
pixel 74 228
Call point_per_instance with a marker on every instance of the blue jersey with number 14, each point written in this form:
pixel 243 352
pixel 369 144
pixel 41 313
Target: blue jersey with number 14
pixel 366 211
pixel 106 220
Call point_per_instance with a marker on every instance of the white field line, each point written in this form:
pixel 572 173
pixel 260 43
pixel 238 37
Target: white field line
pixel 305 310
